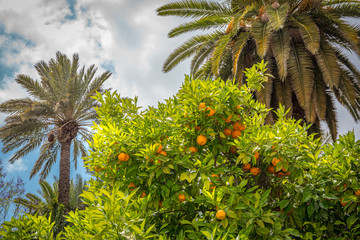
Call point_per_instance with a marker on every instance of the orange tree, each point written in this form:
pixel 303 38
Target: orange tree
pixel 203 165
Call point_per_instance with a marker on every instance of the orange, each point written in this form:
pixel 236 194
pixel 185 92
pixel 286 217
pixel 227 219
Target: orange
pixel 181 197
pixel 287 173
pixel 233 150
pixel 227 132
pixel 255 171
pixel 214 175
pixel 237 107
pixel 122 157
pixel 228 119
pixel 212 187
pixel 131 186
pixel 159 147
pixel 202 105
pixel 197 128
pixel 256 155
pixel 126 157
pixel 235 134
pixel 343 203
pixel 280 174
pixel 201 139
pixel 97 168
pixel 241 127
pixel 220 214
pixel 212 111
pixel 193 149
pixel 246 167
pixel 143 194
pixel 163 153
pixel 357 193
pixel 275 161
pixel 271 169
pixel 237 126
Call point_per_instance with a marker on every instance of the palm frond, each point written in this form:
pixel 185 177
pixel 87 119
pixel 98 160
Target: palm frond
pixel 200 57
pixel 239 44
pixel 309 32
pixel 262 35
pixel 319 94
pixel 204 23
pixel 280 45
pixel 32 87
pixel 283 93
pixel 194 8
pixel 327 62
pixel 219 52
pixel 277 16
pixel 301 73
pixel 331 118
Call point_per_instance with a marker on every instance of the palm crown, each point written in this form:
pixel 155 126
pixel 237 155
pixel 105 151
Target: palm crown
pixel 303 42
pixel 58 113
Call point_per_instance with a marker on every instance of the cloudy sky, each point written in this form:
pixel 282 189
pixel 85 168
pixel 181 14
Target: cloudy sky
pixel 123 36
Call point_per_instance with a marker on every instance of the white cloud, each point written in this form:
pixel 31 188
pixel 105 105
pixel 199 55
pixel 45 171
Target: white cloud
pixel 18 166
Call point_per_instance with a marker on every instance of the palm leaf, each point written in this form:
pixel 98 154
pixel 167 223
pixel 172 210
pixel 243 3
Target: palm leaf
pixel 193 8
pixel 319 94
pixel 239 44
pixel 204 23
pixel 280 46
pixel 262 35
pixel 200 57
pixel 283 93
pixel 277 16
pixel 301 73
pixel 309 32
pixel 219 52
pixel 331 118
pixel 327 62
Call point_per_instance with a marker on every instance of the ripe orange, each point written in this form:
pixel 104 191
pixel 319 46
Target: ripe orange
pixel 143 194
pixel 97 168
pixel 357 192
pixel 126 157
pixel 214 175
pixel 227 132
pixel 181 197
pixel 236 126
pixel 255 171
pixel 343 203
pixel 193 149
pixel 271 169
pixel 237 107
pixel 201 139
pixel 256 155
pixel 212 111
pixel 220 214
pixel 228 119
pixel 212 187
pixel 202 105
pixel 246 167
pixel 131 186
pixel 159 147
pixel 163 153
pixel 280 174
pixel 235 134
pixel 241 127
pixel 122 157
pixel 233 150
pixel 197 128
pixel 275 161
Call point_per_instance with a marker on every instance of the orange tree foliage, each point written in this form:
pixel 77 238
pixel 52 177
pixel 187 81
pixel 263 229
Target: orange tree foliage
pixel 264 182
pixel 154 177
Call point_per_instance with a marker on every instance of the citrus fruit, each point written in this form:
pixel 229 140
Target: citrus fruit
pixel 202 105
pixel 237 126
pixel 131 186
pixel 246 167
pixel 235 134
pixel 163 153
pixel 255 171
pixel 181 197
pixel 343 203
pixel 275 161
pixel 233 150
pixel 227 132
pixel 357 193
pixel 126 157
pixel 212 111
pixel 197 128
pixel 220 214
pixel 122 157
pixel 214 175
pixel 256 155
pixel 143 194
pixel 193 149
pixel 228 119
pixel 271 169
pixel 158 147
pixel 201 140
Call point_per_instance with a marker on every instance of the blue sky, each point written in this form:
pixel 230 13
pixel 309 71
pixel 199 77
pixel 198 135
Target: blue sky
pixel 123 36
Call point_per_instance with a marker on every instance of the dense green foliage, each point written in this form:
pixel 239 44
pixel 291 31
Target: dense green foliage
pixel 180 193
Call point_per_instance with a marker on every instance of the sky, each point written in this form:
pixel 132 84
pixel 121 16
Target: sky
pixel 123 36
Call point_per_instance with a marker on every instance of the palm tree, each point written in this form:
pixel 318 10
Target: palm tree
pixel 46 201
pixel 56 117
pixel 303 41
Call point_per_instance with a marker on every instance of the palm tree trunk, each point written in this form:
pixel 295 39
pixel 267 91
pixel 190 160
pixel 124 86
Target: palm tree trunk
pixel 64 179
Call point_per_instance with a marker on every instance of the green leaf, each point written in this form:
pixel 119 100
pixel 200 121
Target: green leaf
pixel 184 176
pixel 166 170
pixel 207 234
pixel 284 203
